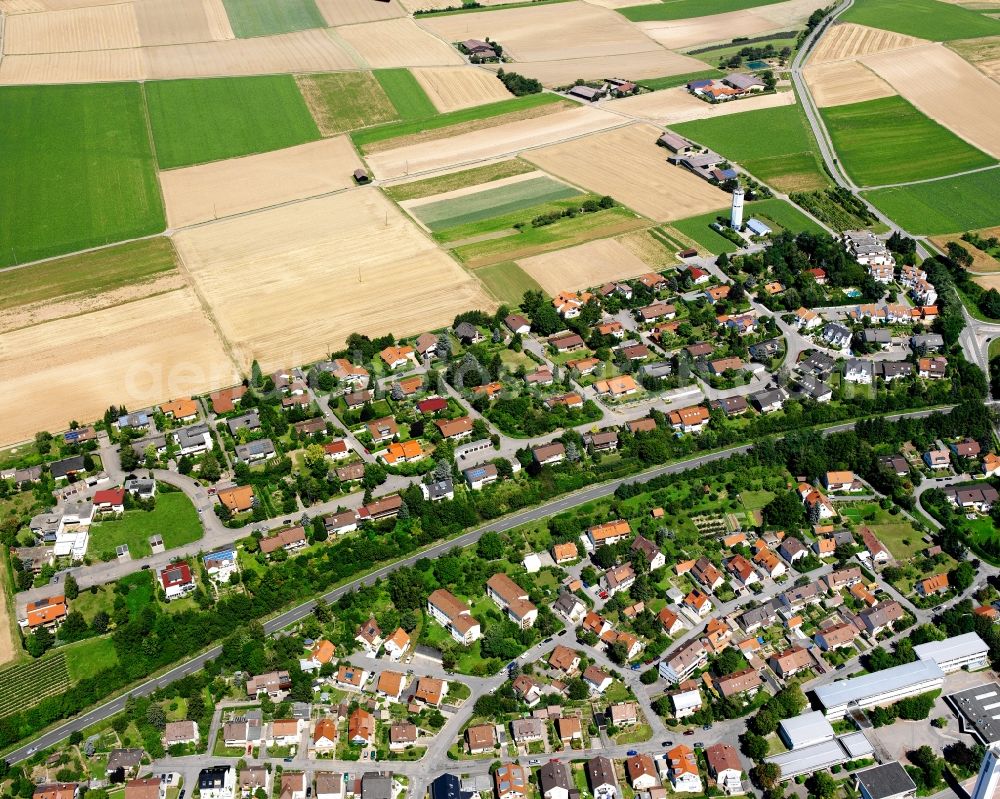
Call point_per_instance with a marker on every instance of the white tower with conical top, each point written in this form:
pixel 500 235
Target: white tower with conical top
pixel 736 217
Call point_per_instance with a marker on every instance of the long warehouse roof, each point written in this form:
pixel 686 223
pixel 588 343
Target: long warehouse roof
pixel 880 682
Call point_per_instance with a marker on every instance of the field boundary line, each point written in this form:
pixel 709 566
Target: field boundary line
pixel 931 180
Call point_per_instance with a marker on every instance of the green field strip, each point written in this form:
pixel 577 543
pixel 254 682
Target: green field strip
pixel 198 121
pixel 250 18
pixel 363 138
pixel 406 94
pixel 672 81
pixel 683 9
pixel 926 19
pixel 77 170
pixel 888 141
pixel 949 205
pixel 507 281
pixel 493 202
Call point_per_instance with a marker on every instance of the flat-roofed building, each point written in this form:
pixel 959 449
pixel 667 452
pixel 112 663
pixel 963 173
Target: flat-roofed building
pixel 807 729
pixel 966 651
pixel 888 781
pixel 978 711
pixel 879 688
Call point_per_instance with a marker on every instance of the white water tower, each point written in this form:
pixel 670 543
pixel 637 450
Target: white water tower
pixel 736 217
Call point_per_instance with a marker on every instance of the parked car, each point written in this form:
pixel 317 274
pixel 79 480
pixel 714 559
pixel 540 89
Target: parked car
pixel 632 753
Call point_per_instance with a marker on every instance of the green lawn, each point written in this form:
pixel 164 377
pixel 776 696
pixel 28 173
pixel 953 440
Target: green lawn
pixel 76 170
pixel 86 658
pixel 682 9
pixel 783 215
pixel 89 274
pixel 174 518
pixel 774 144
pixel 363 138
pixel 697 228
pixel 755 500
pixel 949 205
pixel 196 121
pixel 507 282
pixel 406 94
pixel 889 141
pixel 493 202
pixel 342 101
pixel 926 19
pixel 269 17
pixel 671 81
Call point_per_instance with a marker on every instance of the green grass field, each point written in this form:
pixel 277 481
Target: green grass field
pixel 507 281
pixel 671 81
pixel 889 141
pixel 406 94
pixel 395 130
pixel 926 19
pixel 86 658
pixel 564 233
pixel 174 518
pixel 76 170
pixel 458 180
pixel 697 229
pixel 87 274
pixel 493 202
pixel 949 205
pixel 25 684
pixel 269 17
pixel 784 215
pixel 682 9
pixel 342 101
pixel 775 144
pixel 196 121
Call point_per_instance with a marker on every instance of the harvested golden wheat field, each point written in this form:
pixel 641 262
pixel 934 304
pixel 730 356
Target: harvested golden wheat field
pixel 237 185
pixel 139 353
pixel 548 32
pixel 218 20
pixel 398 43
pixel 100 28
pixel 843 82
pixel 584 265
pixel 351 12
pixel 627 164
pixel 288 285
pixel 947 88
pixel 647 64
pixel 452 88
pixel 90 67
pixel 672 106
pixel 847 40
pixel 491 142
pixel 680 33
pixel 174 22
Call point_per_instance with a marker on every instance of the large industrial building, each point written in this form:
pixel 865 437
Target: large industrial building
pixel 967 651
pixel 879 688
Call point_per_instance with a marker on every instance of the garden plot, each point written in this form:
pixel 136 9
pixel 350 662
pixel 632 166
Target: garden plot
pixel 547 32
pixel 453 88
pixel 494 142
pixel 673 106
pixel 585 265
pixel 350 12
pixel 848 40
pixel 680 33
pixel 628 165
pixel 843 82
pixel 237 185
pixel 946 88
pixel 398 43
pixel 475 203
pixel 164 347
pixel 101 28
pixel 345 263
